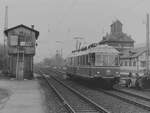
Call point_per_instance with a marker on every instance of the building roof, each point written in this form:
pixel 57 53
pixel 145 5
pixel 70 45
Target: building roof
pixel 21 25
pixel 132 53
pixel 120 37
pixel 117 21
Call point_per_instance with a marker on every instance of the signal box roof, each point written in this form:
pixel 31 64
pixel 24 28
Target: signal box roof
pixel 21 25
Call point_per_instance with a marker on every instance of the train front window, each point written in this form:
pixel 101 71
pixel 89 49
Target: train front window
pixel 106 60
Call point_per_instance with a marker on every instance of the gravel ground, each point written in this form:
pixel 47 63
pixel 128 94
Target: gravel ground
pixel 52 103
pixel 4 93
pixel 76 102
pixel 141 92
pixel 108 102
pixel 4 96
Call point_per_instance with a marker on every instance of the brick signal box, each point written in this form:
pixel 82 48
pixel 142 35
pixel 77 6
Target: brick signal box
pixel 21 42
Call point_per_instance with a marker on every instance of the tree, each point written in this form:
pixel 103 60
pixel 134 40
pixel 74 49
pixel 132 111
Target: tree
pixel 56 60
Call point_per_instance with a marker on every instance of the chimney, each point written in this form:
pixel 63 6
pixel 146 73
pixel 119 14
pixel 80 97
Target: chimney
pixel 32 26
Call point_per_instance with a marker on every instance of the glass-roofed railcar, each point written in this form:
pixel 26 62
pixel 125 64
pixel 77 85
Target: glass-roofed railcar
pixel 98 64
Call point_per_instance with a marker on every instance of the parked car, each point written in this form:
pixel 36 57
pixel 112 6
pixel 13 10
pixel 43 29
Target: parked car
pixel 129 81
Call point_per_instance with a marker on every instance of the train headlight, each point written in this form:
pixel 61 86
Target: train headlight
pixel 95 75
pixel 117 72
pixel 98 72
pixel 108 72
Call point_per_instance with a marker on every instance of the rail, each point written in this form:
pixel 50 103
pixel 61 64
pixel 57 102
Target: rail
pixel 98 107
pixel 65 103
pixel 138 101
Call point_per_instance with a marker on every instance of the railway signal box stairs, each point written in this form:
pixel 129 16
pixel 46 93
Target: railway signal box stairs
pixel 21 43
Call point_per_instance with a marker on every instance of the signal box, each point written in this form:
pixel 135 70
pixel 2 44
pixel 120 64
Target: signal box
pixel 21 43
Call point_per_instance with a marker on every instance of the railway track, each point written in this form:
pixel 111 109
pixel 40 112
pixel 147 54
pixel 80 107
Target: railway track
pixel 134 99
pixel 74 101
pixel 131 98
pixel 146 98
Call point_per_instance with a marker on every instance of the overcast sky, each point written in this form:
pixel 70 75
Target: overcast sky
pixel 61 20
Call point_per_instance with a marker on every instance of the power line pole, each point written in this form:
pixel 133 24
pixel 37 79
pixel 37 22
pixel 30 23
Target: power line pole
pixel 147 44
pixel 6 23
pixel 5 40
pixel 78 43
pixel 61 49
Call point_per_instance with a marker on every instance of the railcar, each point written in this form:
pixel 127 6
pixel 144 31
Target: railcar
pixel 97 64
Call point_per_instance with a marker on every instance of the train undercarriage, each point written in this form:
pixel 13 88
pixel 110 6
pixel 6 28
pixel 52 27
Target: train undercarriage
pixel 97 82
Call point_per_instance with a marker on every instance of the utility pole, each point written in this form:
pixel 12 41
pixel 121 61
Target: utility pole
pixel 61 49
pixel 147 44
pixel 5 41
pixel 78 43
pixel 5 25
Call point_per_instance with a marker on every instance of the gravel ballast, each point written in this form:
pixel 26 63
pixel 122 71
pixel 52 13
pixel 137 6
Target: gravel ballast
pixel 108 102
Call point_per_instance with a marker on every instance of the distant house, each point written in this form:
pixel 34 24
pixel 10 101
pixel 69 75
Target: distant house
pixel 117 38
pixel 133 61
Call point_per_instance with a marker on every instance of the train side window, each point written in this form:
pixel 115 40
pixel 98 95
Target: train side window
pixel 130 63
pixel 78 60
pixel 82 59
pixel 86 62
pixel 121 63
pixel 125 63
pixel 75 61
pixel 70 61
pixel 134 63
pixel 98 60
pixel 143 63
pixel 93 58
pixel 105 60
pixel 116 60
pixel 85 59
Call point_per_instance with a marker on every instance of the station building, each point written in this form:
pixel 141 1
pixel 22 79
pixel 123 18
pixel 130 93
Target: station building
pixel 132 60
pixel 117 38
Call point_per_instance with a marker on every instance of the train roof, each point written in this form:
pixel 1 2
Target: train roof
pixel 96 49
pixel 104 49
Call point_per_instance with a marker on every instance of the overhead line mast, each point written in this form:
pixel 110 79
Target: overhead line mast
pixel 147 44
pixel 78 43
pixel 5 42
pixel 6 23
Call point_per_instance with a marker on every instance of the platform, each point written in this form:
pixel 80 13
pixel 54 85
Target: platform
pixel 25 97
